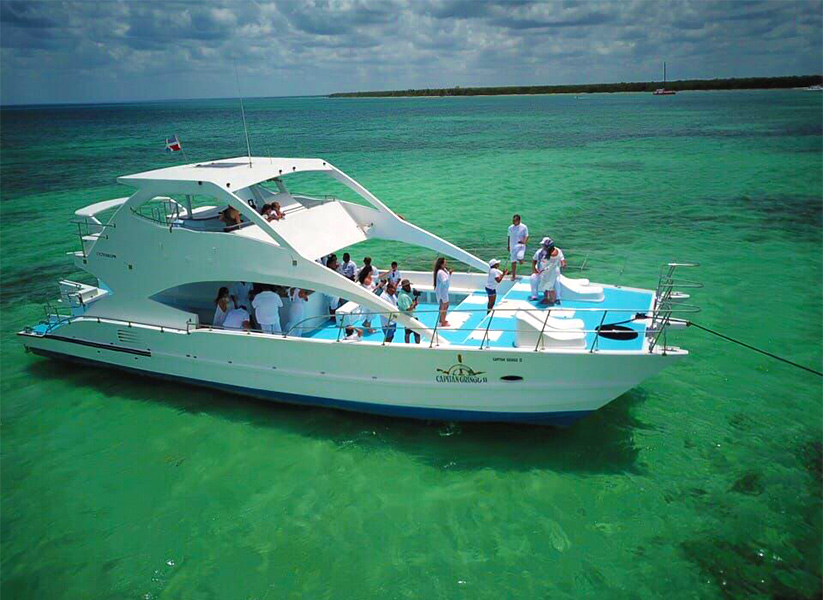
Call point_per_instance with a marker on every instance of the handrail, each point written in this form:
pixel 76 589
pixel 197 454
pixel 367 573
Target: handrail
pixel 190 326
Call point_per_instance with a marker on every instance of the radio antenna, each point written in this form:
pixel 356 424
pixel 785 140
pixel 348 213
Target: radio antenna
pixel 243 113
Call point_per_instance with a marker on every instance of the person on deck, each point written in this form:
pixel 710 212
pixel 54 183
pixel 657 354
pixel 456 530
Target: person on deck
pixel 442 277
pixel 349 267
pixel 241 292
pixel 387 319
pixel 392 276
pixel 299 298
pixel 230 217
pixel 364 278
pixel 223 305
pixel 537 268
pixel 238 318
pixel 407 302
pixel 267 306
pixel 333 301
pixel 276 213
pixel 516 244
pixel 553 260
pixel 375 273
pixel 492 281
pixel 353 334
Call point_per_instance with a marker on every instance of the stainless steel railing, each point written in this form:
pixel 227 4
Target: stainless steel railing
pixel 665 299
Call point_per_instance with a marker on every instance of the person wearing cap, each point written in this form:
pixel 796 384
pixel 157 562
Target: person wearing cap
pixel 407 302
pixel 516 244
pixel 493 280
pixel 551 261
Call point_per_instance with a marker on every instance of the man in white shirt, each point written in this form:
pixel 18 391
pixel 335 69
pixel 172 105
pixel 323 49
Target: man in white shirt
pixel 267 309
pixel 516 244
pixel 349 267
pixel 240 291
pixel 238 318
pixel 393 276
pixel 387 320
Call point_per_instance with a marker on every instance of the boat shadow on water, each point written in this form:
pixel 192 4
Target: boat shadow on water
pixel 603 442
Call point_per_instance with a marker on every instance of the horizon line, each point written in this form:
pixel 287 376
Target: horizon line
pixel 330 94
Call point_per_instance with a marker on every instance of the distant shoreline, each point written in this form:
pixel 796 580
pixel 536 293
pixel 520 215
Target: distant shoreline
pixel 748 83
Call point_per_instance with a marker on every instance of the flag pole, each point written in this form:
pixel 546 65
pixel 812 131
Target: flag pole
pixel 186 158
pixel 243 113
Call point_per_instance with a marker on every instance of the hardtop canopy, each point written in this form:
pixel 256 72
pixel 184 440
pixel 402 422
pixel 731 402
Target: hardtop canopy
pixel 229 173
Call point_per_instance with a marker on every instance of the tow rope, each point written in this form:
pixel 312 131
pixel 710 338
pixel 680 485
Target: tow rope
pixel 745 345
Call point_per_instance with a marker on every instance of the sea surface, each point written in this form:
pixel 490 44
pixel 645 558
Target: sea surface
pixel 703 482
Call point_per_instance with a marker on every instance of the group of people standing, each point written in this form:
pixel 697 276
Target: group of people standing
pixel 547 263
pixel 244 305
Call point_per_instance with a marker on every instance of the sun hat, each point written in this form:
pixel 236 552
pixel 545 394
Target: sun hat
pixel 547 241
pixel 493 262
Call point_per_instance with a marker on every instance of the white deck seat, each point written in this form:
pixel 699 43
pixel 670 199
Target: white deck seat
pixel 557 333
pixel 580 290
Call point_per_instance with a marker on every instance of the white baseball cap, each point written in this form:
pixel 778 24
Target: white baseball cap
pixel 493 262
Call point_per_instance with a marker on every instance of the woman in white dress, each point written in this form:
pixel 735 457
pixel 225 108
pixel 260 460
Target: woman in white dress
pixel 551 261
pixel 299 298
pixel 224 305
pixel 366 280
pixel 442 277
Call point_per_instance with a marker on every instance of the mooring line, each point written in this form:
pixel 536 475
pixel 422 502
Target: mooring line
pixel 745 345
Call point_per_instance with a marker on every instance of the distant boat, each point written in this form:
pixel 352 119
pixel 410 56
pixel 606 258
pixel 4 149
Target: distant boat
pixel 815 88
pixel 663 91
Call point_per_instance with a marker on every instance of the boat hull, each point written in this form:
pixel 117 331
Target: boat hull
pixel 445 383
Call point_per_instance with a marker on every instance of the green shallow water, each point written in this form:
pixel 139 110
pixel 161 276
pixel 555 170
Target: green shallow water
pixel 704 482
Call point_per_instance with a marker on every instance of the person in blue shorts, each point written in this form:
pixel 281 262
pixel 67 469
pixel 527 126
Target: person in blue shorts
pixel 494 279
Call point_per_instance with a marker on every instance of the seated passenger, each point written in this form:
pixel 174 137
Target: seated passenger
pixel 267 306
pixel 224 305
pixel 276 212
pixel 230 217
pixel 349 267
pixel 237 318
pixel 353 334
pixel 266 211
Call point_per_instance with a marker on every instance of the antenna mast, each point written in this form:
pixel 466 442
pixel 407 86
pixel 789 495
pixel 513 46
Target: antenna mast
pixel 243 113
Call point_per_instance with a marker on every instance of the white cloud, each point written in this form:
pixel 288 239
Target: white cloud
pixel 56 52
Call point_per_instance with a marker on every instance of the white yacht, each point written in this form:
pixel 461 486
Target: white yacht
pixel 159 256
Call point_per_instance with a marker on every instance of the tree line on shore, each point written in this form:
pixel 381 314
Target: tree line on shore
pixel 736 83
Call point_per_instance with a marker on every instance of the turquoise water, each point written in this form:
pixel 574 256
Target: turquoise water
pixel 704 482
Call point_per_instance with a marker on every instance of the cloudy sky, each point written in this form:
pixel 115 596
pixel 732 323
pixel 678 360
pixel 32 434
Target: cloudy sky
pixel 120 51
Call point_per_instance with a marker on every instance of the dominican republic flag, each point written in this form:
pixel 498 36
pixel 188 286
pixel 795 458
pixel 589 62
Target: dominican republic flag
pixel 173 144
